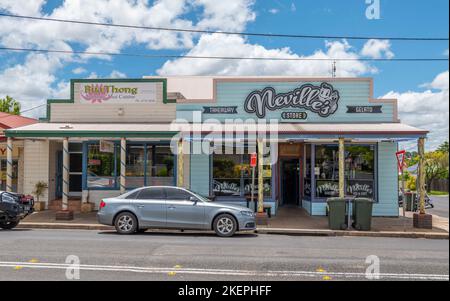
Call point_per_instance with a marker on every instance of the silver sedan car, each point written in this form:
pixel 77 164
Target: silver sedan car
pixel 172 208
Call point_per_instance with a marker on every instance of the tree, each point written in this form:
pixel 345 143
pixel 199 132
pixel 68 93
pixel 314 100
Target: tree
pixel 436 167
pixel 9 105
pixel 443 148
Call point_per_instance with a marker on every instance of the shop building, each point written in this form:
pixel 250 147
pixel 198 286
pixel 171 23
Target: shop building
pixel 14 171
pixel 323 137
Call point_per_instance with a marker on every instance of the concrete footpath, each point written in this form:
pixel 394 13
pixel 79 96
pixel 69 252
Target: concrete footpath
pixel 290 222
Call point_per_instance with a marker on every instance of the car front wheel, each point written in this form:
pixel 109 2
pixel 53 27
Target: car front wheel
pixel 9 225
pixel 126 223
pixel 225 225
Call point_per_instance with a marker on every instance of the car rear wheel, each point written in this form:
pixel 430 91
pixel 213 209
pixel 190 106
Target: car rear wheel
pixel 225 225
pixel 126 223
pixel 9 225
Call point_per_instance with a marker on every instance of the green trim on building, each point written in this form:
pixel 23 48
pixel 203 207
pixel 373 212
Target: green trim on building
pixel 87 134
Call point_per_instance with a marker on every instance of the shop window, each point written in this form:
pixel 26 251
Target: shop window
pixel 135 166
pixel 307 172
pixel 360 170
pixel 160 166
pixel 232 174
pixel 101 168
pixel 3 175
pixel 326 171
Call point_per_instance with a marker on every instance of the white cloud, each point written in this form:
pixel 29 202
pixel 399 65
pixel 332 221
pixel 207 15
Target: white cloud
pixel 377 49
pixel 230 15
pixel 235 46
pixel 24 7
pixel 428 109
pixel 31 83
pixel 34 80
pixel 117 74
pixel 79 70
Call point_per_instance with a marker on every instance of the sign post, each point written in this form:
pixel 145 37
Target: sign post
pixel 253 160
pixel 401 165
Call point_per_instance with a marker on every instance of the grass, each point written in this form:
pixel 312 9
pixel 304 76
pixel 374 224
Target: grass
pixel 434 192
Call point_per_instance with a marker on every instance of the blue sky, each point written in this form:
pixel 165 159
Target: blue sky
pixel 408 81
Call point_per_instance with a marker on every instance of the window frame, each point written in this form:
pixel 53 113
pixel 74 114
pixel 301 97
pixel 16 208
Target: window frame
pixel 117 164
pixel 315 198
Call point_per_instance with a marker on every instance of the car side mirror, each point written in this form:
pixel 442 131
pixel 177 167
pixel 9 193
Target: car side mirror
pixel 193 199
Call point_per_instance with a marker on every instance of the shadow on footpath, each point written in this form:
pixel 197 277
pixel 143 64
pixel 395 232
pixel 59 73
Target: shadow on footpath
pixel 180 233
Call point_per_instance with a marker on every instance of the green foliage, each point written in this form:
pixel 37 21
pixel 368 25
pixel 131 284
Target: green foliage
pixel 39 189
pixel 411 183
pixel 9 105
pixel 436 166
pixel 443 148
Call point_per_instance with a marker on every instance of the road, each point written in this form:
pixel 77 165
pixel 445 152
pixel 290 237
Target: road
pixel 27 254
pixel 441 206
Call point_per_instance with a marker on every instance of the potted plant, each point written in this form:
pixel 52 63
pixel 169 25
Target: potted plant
pixel 39 190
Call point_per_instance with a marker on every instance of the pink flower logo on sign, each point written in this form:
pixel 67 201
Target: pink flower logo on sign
pixel 96 93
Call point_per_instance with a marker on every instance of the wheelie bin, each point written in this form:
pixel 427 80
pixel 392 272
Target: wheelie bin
pixel 336 209
pixel 362 214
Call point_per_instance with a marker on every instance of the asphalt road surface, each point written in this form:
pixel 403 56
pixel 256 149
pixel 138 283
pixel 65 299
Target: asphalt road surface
pixel 27 254
pixel 441 206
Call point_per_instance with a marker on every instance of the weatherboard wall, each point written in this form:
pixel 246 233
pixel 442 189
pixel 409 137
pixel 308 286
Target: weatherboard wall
pixel 352 93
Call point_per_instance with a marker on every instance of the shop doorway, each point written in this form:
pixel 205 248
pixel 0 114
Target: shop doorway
pixel 290 182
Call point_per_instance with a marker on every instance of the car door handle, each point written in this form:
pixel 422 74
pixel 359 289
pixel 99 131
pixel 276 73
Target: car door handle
pixel 171 207
pixel 141 206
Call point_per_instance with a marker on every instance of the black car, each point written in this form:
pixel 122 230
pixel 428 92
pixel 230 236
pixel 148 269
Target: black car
pixel 13 208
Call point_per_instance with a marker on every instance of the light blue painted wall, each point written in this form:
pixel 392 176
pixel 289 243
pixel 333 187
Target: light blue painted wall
pixel 387 180
pixel 306 204
pixel 234 94
pixel 200 173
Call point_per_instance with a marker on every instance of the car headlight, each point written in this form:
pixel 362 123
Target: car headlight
pixel 248 213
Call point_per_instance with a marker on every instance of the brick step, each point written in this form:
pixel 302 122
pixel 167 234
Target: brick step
pixel 74 205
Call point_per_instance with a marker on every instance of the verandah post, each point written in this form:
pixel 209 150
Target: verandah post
pixel 66 166
pixel 341 167
pixel 9 164
pixel 421 188
pixel 260 176
pixel 180 162
pixel 123 158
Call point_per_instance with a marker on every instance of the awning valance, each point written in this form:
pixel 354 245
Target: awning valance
pixel 149 130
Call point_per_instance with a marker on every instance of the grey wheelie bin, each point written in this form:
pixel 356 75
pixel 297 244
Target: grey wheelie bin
pixel 362 214
pixel 336 209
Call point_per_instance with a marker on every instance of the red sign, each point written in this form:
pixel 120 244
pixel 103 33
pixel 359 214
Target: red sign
pixel 401 155
pixel 253 160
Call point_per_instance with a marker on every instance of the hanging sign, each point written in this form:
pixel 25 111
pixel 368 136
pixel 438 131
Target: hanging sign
pixel 106 146
pixel 364 109
pixel 401 155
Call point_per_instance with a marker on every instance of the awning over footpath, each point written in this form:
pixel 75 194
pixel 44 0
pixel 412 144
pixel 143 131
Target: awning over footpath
pixel 148 130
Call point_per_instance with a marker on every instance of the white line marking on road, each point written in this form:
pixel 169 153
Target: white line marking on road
pixel 225 272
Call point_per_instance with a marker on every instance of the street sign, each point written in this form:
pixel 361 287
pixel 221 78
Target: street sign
pixel 253 160
pixel 401 155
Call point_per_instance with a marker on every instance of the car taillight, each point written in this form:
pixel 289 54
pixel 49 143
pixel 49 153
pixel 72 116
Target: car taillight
pixel 102 205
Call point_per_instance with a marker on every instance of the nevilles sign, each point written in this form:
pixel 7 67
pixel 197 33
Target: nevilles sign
pixel 322 100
